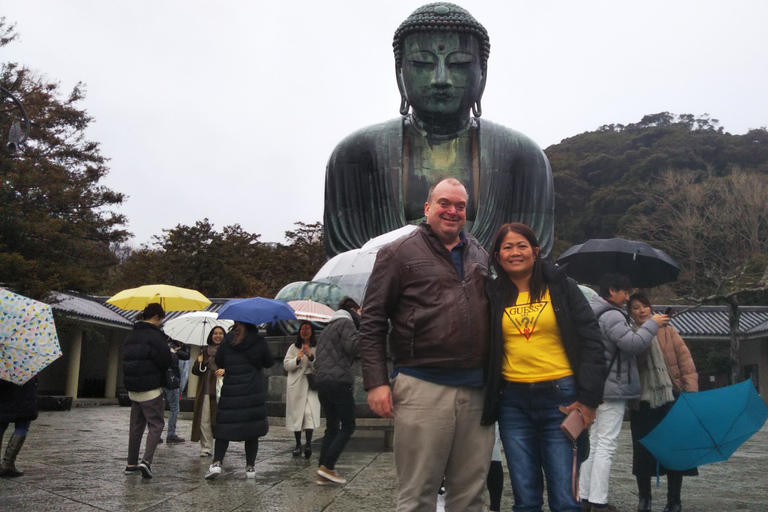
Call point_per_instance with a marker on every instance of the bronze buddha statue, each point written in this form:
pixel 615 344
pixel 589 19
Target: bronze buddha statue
pixel 378 177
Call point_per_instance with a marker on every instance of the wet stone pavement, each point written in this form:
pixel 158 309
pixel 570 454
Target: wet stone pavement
pixel 74 461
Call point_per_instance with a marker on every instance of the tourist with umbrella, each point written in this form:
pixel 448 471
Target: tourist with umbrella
pixel 621 344
pixel 302 405
pixel 204 415
pixel 28 343
pixel 244 353
pixel 146 358
pixel 666 370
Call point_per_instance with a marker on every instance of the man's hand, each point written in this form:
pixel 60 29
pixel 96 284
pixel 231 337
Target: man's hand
pixel 380 401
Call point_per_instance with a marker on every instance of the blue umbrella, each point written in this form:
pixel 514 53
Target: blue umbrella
pixel 707 426
pixel 256 310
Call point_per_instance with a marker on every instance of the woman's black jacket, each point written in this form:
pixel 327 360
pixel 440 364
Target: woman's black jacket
pixel 579 331
pixel 242 407
pixel 18 403
pixel 146 357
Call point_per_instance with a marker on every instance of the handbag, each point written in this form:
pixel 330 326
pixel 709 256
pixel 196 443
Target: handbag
pixel 572 426
pixel 311 381
pixel 172 381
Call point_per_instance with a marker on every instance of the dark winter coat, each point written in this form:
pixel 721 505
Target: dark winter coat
pixel 146 357
pixel 181 353
pixel 336 350
pixel 18 403
pixel 579 332
pixel 242 413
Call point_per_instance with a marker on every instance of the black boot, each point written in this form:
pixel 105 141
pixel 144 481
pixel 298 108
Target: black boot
pixel 7 465
pixel 297 450
pixel 674 486
pixel 644 494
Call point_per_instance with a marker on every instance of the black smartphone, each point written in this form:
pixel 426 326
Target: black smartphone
pixel 669 311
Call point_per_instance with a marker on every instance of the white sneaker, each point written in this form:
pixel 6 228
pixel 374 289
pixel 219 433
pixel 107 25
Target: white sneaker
pixel 205 453
pixel 214 470
pixel 250 472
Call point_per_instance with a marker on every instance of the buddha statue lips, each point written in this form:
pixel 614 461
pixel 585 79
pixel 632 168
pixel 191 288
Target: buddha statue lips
pixel 378 178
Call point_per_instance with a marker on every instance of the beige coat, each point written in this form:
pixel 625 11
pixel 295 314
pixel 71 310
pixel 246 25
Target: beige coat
pixel 680 365
pixel 302 406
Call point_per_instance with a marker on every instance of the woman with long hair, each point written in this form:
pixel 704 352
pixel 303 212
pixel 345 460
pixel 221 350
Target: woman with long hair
pixel 546 358
pixel 204 417
pixel 302 406
pixel 666 369
pixel 242 407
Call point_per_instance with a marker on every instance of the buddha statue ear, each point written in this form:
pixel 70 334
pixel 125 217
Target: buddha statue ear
pixel 404 105
pixel 477 110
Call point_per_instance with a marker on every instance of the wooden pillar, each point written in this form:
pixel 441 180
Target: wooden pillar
pixel 194 352
pixel 73 363
pixel 113 355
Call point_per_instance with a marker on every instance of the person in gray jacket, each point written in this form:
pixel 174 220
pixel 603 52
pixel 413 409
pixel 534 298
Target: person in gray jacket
pixel 336 350
pixel 622 345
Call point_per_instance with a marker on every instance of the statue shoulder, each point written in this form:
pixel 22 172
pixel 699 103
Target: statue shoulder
pixel 506 135
pixel 368 138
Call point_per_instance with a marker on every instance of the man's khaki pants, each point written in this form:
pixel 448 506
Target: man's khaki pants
pixel 438 433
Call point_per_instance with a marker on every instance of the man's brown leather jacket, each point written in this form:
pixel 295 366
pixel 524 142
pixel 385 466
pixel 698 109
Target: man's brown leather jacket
pixel 437 319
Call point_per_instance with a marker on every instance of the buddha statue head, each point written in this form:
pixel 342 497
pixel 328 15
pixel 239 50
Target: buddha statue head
pixel 441 56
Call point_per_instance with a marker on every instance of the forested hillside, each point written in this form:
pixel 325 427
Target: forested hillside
pixel 682 183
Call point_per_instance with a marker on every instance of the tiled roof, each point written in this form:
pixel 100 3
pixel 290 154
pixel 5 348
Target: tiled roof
pixel 86 307
pixel 712 321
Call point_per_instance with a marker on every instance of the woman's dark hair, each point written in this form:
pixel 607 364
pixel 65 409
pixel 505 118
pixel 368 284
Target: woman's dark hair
pixel 537 286
pixel 152 310
pixel 312 340
pixel 209 341
pixel 240 330
pixel 641 298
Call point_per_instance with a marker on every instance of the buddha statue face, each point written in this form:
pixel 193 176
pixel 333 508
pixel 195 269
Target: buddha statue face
pixel 441 74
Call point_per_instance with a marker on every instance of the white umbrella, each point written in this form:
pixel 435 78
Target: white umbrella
pixel 350 270
pixel 311 310
pixel 193 328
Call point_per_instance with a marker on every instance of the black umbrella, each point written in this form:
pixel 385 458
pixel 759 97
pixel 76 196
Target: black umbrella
pixel 645 266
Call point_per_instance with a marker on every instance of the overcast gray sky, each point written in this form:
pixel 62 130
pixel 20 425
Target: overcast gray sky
pixel 230 110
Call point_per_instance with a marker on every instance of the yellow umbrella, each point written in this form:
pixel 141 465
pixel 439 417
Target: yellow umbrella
pixel 172 298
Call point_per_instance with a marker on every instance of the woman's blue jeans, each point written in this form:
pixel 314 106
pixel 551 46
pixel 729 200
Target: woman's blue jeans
pixel 529 427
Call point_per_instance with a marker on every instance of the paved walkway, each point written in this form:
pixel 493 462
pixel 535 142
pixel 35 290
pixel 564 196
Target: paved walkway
pixel 74 462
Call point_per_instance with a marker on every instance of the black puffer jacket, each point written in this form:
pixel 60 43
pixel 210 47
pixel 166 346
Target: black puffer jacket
pixel 242 408
pixel 146 357
pixel 18 403
pixel 579 331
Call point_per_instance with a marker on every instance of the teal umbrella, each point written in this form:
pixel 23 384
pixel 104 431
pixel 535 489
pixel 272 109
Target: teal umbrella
pixel 707 426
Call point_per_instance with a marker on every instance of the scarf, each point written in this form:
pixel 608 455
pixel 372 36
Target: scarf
pixel 655 381
pixel 212 349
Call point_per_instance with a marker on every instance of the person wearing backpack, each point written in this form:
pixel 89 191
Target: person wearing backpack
pixel 622 345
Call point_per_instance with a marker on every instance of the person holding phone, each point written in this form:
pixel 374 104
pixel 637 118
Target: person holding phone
pixel 666 369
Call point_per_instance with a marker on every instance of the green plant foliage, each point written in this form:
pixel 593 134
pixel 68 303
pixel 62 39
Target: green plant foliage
pixel 56 226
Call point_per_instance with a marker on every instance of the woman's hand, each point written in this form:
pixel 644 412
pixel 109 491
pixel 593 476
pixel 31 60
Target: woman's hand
pixel 661 320
pixel 306 350
pixel 219 372
pixel 200 358
pixel 587 412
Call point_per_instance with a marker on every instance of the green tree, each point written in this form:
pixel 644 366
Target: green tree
pixel 56 226
pixel 227 263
